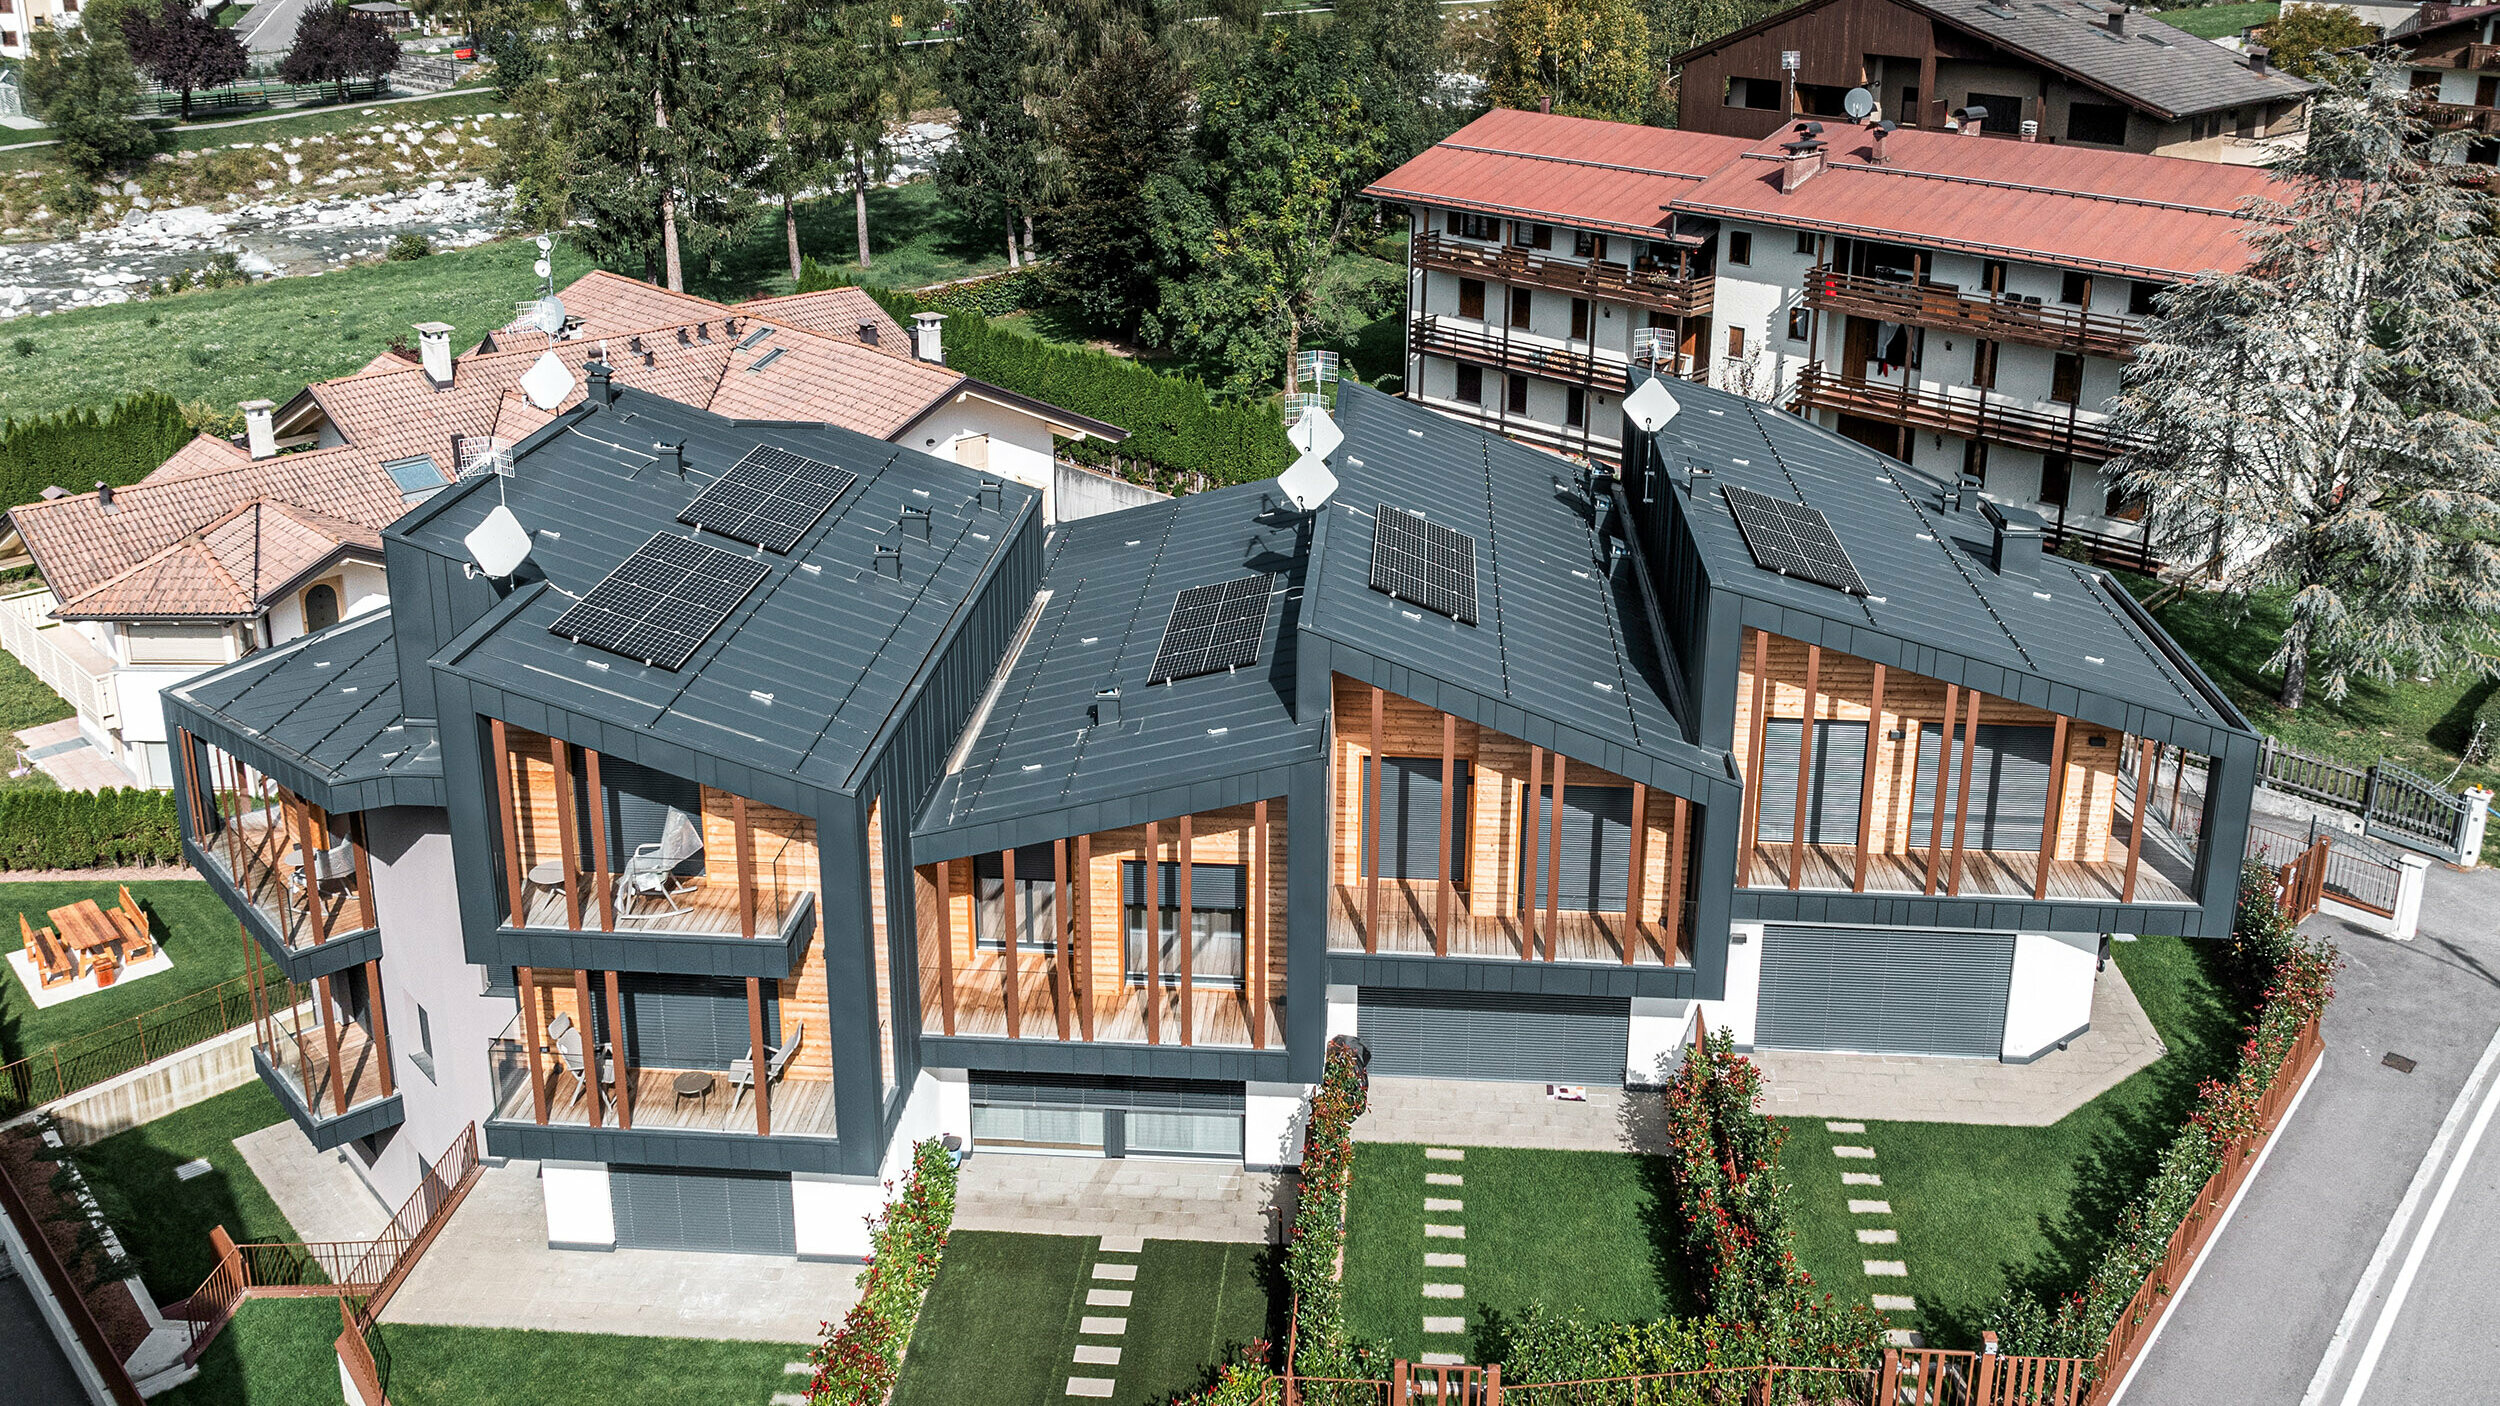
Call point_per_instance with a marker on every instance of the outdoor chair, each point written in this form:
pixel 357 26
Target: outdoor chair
pixel 650 874
pixel 332 866
pixel 567 1039
pixel 742 1071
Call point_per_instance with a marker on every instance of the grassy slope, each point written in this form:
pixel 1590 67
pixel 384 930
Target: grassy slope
pixel 913 240
pixel 2218 21
pixel 198 932
pixel 1583 1233
pixel 1980 1208
pixel 164 1222
pixel 325 118
pixel 276 1352
pixel 26 701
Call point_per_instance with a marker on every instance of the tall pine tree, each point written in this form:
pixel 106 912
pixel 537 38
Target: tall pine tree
pixel 992 174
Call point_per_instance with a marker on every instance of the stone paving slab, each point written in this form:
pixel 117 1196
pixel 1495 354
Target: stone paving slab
pixel 1870 1208
pixel 1436 1261
pixel 322 1196
pixel 1115 1271
pixel 1895 1303
pixel 1445 1325
pixel 1090 1386
pixel 1450 1115
pixel 1122 1201
pixel 1887 1269
pixel 1860 1179
pixel 1097 1355
pixel 1102 1327
pixel 1108 1298
pixel 1879 1237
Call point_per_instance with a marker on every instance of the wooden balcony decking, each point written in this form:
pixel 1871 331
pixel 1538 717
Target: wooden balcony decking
pixel 800 1107
pixel 1970 413
pixel 1406 912
pixel 1998 318
pixel 303 1060
pixel 711 904
pixel 267 855
pixel 1985 874
pixel 1657 289
pixel 1219 1015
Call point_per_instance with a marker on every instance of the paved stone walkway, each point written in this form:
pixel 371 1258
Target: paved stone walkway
pixel 1448 1112
pixel 59 750
pixel 1095 1196
pixel 1918 1089
pixel 1112 1289
pixel 1881 1242
pixel 1445 1230
pixel 322 1196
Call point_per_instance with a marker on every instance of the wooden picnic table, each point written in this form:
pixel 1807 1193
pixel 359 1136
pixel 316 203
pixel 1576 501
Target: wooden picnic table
pixel 90 932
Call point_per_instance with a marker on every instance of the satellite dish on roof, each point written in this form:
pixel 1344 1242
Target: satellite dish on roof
pixel 1308 483
pixel 547 314
pixel 1651 405
pixel 547 383
pixel 1316 434
pixel 1857 102
pixel 499 544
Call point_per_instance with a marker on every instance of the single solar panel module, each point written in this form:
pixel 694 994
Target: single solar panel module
pixel 1423 563
pixel 1213 628
pixel 770 497
pixel 1792 539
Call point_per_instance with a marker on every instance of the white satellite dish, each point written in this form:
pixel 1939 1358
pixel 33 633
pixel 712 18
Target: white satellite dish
pixel 547 314
pixel 545 244
pixel 1308 483
pixel 499 544
pixel 1315 434
pixel 547 383
pixel 1651 405
pixel 542 268
pixel 1857 102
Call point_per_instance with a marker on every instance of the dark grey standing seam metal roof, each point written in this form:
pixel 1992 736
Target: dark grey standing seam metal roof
pixel 1188 745
pixel 2066 638
pixel 1558 636
pixel 810 668
pixel 2168 70
pixel 321 714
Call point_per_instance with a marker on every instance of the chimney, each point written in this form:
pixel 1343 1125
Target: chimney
pixel 103 496
pixel 258 432
pixel 2117 19
pixel 2014 540
pixel 2031 130
pixel 672 457
pixel 1973 119
pixel 1800 167
pixel 434 351
pixel 927 342
pixel 1880 129
pixel 1106 706
pixel 2260 61
pixel 1546 104
pixel 868 333
pixel 597 389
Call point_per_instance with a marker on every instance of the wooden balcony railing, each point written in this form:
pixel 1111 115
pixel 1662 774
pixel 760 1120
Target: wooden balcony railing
pixel 2000 318
pixel 1969 412
pixel 2479 57
pixel 1665 290
pixel 1593 367
pixel 2462 117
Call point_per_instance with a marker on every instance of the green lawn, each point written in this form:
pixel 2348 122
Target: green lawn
pixel 1583 1233
pixel 276 1352
pixel 1001 1323
pixel 195 925
pixel 211 129
pixel 163 1221
pixel 2415 724
pixel 914 239
pixel 1979 1208
pixel 25 701
pixel 2218 21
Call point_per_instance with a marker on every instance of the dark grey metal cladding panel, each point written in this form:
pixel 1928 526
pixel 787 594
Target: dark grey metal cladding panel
pixel 642 949
pixel 1307 857
pixel 1884 990
pixel 664 1148
pixel 2008 914
pixel 337 1129
pixel 677 1208
pixel 1078 1057
pixel 1094 817
pixel 1487 1035
pixel 433 598
pixel 342 951
pixel 931 719
pixel 1530 978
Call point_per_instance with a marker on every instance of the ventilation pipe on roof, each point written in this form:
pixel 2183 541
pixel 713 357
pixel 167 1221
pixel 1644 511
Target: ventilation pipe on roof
pixel 2260 61
pixel 914 518
pixel 868 333
pixel 434 352
pixel 258 431
pixel 2014 541
pixel 54 491
pixel 1106 706
pixel 598 390
pixel 103 496
pixel 2115 17
pixel 672 457
pixel 927 342
pixel 883 554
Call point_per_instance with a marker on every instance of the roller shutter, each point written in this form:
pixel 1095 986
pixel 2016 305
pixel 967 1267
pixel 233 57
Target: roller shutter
pixel 1495 1035
pixel 1884 990
pixel 1838 779
pixel 691 1022
pixel 1596 870
pixel 669 1208
pixel 2009 786
pixel 638 801
pixel 1410 818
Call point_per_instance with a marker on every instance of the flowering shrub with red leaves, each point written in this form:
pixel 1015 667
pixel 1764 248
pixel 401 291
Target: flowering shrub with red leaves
pixel 856 1363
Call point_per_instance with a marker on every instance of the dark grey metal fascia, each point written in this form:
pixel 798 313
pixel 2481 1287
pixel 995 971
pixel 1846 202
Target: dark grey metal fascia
pixel 666 1147
pixel 1267 783
pixel 1557 978
pixel 1098 1058
pixel 336 1129
pixel 645 950
pixel 1978 914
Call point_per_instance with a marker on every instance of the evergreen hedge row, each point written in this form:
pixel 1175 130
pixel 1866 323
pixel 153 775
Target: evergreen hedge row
pixel 1174 424
pixel 76 448
pixel 87 829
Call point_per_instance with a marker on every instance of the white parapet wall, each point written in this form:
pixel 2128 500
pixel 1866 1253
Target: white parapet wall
pixel 154 1089
pixel 830 1214
pixel 1274 1117
pixel 1342 1012
pixel 1734 1010
pixel 1659 1030
pixel 2051 998
pixel 581 1209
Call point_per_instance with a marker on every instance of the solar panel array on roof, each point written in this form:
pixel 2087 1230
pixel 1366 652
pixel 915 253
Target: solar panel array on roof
pixel 1213 628
pixel 770 498
pixel 661 603
pixel 1423 563
pixel 1792 539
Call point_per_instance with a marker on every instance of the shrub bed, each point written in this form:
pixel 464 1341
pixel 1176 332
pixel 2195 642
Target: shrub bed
pixel 856 1363
pixel 76 448
pixel 2292 979
pixel 87 829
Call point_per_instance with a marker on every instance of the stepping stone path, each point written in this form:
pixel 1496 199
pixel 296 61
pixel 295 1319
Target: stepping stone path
pixel 1101 1356
pixel 1437 1325
pixel 1875 1269
pixel 793 1398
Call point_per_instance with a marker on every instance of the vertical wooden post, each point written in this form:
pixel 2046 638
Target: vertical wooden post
pixel 568 844
pixel 2057 803
pixel 1449 802
pixel 1531 849
pixel 1254 974
pixel 1371 822
pixel 1961 806
pixel 299 818
pixel 1185 927
pixel 1553 863
pixel 759 1057
pixel 2147 757
pixel 1011 927
pixel 746 863
pixel 1875 735
pixel 531 1032
pixel 2178 778
pixel 513 875
pixel 1675 881
pixel 1152 899
pixel 946 948
pixel 1805 768
pixel 1635 882
pixel 599 843
pixel 1062 932
pixel 330 1041
pixel 1944 782
pixel 616 1038
pixel 1084 974
pixel 1749 821
pixel 587 1026
pixel 381 1023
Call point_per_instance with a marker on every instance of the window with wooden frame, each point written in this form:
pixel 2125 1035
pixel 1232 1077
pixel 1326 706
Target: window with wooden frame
pixel 1471 298
pixel 1470 384
pixel 1473 226
pixel 1218 922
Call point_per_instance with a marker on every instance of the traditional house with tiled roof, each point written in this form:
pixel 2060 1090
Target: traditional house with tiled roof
pixel 234 546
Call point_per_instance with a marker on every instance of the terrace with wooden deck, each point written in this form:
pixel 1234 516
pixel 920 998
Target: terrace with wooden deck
pixel 253 834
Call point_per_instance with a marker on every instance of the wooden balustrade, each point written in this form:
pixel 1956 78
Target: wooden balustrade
pixel 1998 317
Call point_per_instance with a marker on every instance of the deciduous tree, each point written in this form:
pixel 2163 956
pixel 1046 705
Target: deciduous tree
pixel 1126 125
pixel 334 44
pixel 182 48
pixel 80 81
pixel 2315 40
pixel 1589 58
pixel 869 90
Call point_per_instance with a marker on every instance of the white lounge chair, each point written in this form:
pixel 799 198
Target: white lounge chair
pixel 650 872
pixel 567 1040
pixel 742 1071
pixel 335 865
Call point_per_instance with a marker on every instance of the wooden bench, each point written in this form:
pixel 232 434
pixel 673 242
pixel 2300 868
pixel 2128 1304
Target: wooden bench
pixel 51 955
pixel 137 945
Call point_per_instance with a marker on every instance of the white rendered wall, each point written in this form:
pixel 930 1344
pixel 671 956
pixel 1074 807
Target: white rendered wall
pixel 830 1214
pixel 1341 1011
pixel 1734 1012
pixel 580 1213
pixel 2051 998
pixel 1020 447
pixel 1274 1117
pixel 1659 1029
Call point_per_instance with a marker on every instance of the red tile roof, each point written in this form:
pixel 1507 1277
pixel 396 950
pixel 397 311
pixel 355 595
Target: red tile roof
pixel 1567 170
pixel 834 312
pixel 230 568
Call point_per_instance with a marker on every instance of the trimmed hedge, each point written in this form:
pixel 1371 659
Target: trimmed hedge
pixel 88 829
pixel 75 448
pixel 1175 425
pixel 857 1363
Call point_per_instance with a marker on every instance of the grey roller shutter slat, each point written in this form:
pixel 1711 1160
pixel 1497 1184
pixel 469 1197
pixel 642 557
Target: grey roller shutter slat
pixel 638 802
pixel 1839 780
pixel 692 1022
pixel 1495 1035
pixel 2009 786
pixel 1595 873
pixel 1884 990
pixel 666 1208
pixel 1210 885
pixel 1410 821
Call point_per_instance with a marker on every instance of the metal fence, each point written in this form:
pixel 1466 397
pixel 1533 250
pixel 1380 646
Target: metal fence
pixel 255 93
pixel 115 1050
pixel 2394 804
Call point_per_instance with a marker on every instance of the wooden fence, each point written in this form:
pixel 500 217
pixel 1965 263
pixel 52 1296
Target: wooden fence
pixel 2301 885
pixel 125 1045
pixel 2144 1312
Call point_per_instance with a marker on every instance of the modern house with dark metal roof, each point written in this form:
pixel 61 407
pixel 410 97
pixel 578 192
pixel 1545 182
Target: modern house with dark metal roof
pixel 2059 71
pixel 796 796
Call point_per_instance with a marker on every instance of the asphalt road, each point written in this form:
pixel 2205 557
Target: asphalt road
pixel 2360 1266
pixel 31 1365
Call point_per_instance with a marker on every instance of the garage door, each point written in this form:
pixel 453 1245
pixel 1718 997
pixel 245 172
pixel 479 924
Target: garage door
pixel 664 1208
pixel 1470 1035
pixel 1884 990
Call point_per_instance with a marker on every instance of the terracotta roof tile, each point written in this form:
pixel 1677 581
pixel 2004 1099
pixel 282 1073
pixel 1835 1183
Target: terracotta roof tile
pixel 1568 170
pixel 229 569
pixel 834 312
